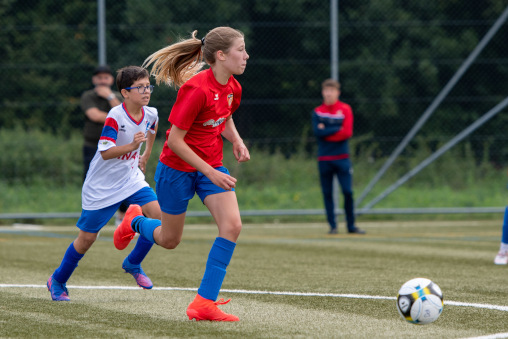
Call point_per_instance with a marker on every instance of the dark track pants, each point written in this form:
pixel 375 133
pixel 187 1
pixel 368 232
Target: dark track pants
pixel 343 170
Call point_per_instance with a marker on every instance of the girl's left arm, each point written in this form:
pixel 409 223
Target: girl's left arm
pixel 239 149
pixel 150 140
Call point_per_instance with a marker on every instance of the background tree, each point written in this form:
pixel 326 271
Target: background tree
pixel 395 57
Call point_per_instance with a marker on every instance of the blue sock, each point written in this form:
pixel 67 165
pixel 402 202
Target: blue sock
pixel 504 237
pixel 218 260
pixel 69 263
pixel 140 251
pixel 145 226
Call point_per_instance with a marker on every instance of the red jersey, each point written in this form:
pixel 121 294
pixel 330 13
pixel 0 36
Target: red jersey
pixel 201 108
pixel 342 110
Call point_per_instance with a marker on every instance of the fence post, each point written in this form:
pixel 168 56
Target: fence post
pixel 101 29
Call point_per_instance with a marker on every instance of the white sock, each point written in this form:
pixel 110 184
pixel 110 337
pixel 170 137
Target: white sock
pixel 504 247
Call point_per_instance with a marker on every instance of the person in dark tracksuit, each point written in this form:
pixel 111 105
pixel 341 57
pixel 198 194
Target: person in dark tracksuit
pixel 332 123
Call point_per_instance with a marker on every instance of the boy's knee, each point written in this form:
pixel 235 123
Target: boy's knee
pixel 154 215
pixel 152 211
pixel 83 243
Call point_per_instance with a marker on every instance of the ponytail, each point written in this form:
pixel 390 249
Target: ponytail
pixel 177 63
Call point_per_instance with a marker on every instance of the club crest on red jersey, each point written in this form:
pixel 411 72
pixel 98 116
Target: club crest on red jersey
pixel 230 99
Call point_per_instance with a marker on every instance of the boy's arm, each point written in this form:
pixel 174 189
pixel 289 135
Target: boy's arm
pixel 150 140
pixel 117 151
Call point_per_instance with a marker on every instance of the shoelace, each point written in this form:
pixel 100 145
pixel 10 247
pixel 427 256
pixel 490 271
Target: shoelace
pixel 129 236
pixel 222 302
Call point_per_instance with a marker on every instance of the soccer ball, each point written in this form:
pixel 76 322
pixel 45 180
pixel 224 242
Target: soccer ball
pixel 420 301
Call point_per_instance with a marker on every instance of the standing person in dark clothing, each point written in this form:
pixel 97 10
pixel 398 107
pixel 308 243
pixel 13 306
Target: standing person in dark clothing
pixel 96 103
pixel 332 123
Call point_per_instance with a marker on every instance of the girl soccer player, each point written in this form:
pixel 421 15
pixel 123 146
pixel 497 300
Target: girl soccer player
pixel 191 159
pixel 114 177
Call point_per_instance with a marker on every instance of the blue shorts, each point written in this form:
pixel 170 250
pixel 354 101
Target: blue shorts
pixel 175 188
pixel 94 220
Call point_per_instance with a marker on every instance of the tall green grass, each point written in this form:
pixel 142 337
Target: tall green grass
pixel 42 172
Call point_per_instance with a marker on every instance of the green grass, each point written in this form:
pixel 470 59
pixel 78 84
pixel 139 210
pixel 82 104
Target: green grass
pixel 296 257
pixel 270 181
pixel 48 178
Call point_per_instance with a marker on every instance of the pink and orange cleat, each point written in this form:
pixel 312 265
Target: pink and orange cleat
pixel 205 309
pixel 124 233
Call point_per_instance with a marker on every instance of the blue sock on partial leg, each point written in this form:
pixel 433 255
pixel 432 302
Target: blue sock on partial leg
pixel 218 260
pixel 145 226
pixel 504 236
pixel 69 263
pixel 140 251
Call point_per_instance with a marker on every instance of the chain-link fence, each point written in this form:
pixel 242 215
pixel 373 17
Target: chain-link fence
pixel 394 58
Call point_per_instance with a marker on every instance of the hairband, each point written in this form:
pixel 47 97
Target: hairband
pixel 203 41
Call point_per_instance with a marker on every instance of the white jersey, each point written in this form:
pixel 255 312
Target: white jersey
pixel 111 181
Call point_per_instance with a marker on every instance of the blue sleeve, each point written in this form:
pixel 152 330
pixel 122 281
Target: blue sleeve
pixel 331 127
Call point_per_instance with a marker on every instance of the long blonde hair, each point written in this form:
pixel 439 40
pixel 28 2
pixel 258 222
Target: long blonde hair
pixel 177 63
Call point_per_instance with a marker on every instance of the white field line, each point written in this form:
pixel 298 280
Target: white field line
pixel 492 336
pixel 302 294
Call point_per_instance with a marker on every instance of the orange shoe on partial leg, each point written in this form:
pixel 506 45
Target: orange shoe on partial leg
pixel 205 309
pixel 124 233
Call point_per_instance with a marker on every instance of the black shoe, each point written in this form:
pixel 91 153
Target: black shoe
pixel 333 231
pixel 357 231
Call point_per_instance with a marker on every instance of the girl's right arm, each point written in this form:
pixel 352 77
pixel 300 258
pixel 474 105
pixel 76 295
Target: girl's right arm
pixel 179 146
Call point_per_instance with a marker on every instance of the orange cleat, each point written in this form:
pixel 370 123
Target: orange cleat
pixel 205 309
pixel 124 233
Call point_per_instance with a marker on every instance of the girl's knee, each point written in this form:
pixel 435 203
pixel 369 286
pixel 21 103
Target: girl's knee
pixel 234 229
pixel 169 244
pixel 237 227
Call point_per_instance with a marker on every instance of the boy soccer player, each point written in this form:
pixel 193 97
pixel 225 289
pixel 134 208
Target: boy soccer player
pixel 116 176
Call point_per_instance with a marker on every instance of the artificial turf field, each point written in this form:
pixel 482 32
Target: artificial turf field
pixel 285 281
